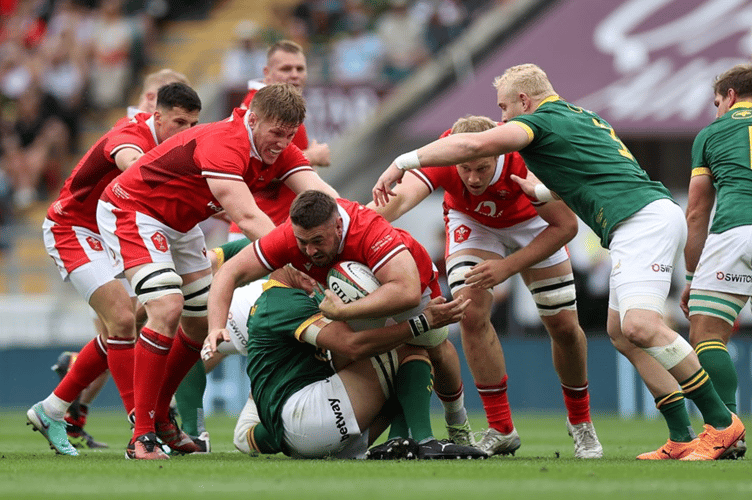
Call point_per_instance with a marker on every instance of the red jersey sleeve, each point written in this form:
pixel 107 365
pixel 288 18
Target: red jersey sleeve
pixel 136 135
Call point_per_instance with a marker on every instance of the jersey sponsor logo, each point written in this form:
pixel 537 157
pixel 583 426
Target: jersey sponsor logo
pixel 118 191
pixel 733 278
pixel 462 233
pixel 214 206
pixel 488 208
pixel 382 242
pixel 742 114
pixel 160 242
pixel 95 244
pixel 57 207
pixel 339 418
pixel 662 268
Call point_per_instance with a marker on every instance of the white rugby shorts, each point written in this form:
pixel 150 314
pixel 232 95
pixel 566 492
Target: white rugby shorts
pixel 465 233
pixel 319 422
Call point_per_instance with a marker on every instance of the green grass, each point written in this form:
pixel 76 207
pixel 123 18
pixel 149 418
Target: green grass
pixel 542 468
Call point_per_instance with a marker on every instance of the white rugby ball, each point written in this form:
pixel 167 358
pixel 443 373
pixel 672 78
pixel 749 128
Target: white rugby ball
pixel 351 280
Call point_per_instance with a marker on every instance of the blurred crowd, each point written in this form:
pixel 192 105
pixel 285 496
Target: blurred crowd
pixel 63 62
pixel 60 61
pixel 378 42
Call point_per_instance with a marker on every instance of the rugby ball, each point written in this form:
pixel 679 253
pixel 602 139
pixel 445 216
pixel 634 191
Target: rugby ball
pixel 350 280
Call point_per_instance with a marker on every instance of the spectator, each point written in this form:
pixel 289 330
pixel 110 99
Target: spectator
pixel 247 58
pixel 404 41
pixel 33 148
pixel 111 54
pixel 63 77
pixel 357 56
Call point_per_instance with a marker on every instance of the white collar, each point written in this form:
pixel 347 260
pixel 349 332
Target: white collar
pixel 254 151
pixel 150 123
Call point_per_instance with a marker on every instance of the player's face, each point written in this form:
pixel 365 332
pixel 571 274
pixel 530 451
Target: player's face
pixel 477 174
pixel 722 104
pixel 168 122
pixel 320 244
pixel 285 67
pixel 270 137
pixel 510 103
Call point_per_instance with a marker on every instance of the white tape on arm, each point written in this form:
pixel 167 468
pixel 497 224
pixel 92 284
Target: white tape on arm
pixel 408 161
pixel 543 193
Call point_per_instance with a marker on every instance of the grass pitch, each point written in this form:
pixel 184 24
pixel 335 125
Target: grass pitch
pixel 544 468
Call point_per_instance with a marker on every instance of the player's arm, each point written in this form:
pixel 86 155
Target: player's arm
pixel 318 154
pixel 308 179
pixel 701 197
pixel 562 227
pixel 400 290
pixel 452 150
pixel 338 337
pixel 407 195
pixel 700 201
pixel 127 157
pixel 238 202
pixel 221 254
pixel 232 274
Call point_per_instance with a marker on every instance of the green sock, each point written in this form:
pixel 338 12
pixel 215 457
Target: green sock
pixel 716 360
pixel 674 410
pixel 699 388
pixel 414 384
pixel 190 400
pixel 398 426
pixel 263 439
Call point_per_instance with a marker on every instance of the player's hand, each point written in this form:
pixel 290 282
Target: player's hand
pixel 318 154
pixel 333 307
pixel 487 274
pixel 383 188
pixel 440 313
pixel 684 303
pixel 528 185
pixel 211 342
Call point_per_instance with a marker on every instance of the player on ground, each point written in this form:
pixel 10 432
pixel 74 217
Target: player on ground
pixel 579 155
pixel 298 357
pixel 491 224
pixel 153 231
pixel 328 231
pixel 73 240
pixel 718 264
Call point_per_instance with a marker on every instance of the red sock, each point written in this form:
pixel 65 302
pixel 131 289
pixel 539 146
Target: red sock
pixel 90 363
pixel 183 355
pixel 577 401
pixel 120 361
pixel 496 404
pixel 150 360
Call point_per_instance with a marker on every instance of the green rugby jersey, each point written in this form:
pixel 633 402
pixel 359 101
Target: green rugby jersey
pixel 723 149
pixel 279 364
pixel 578 155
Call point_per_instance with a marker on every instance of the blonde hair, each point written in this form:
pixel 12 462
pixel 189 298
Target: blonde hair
pixel 280 103
pixel 284 46
pixel 153 81
pixel 527 79
pixel 472 123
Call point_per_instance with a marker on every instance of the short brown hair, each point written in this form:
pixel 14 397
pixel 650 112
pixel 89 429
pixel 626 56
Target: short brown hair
pixel 472 123
pixel 738 78
pixel 284 46
pixel 312 208
pixel 281 103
